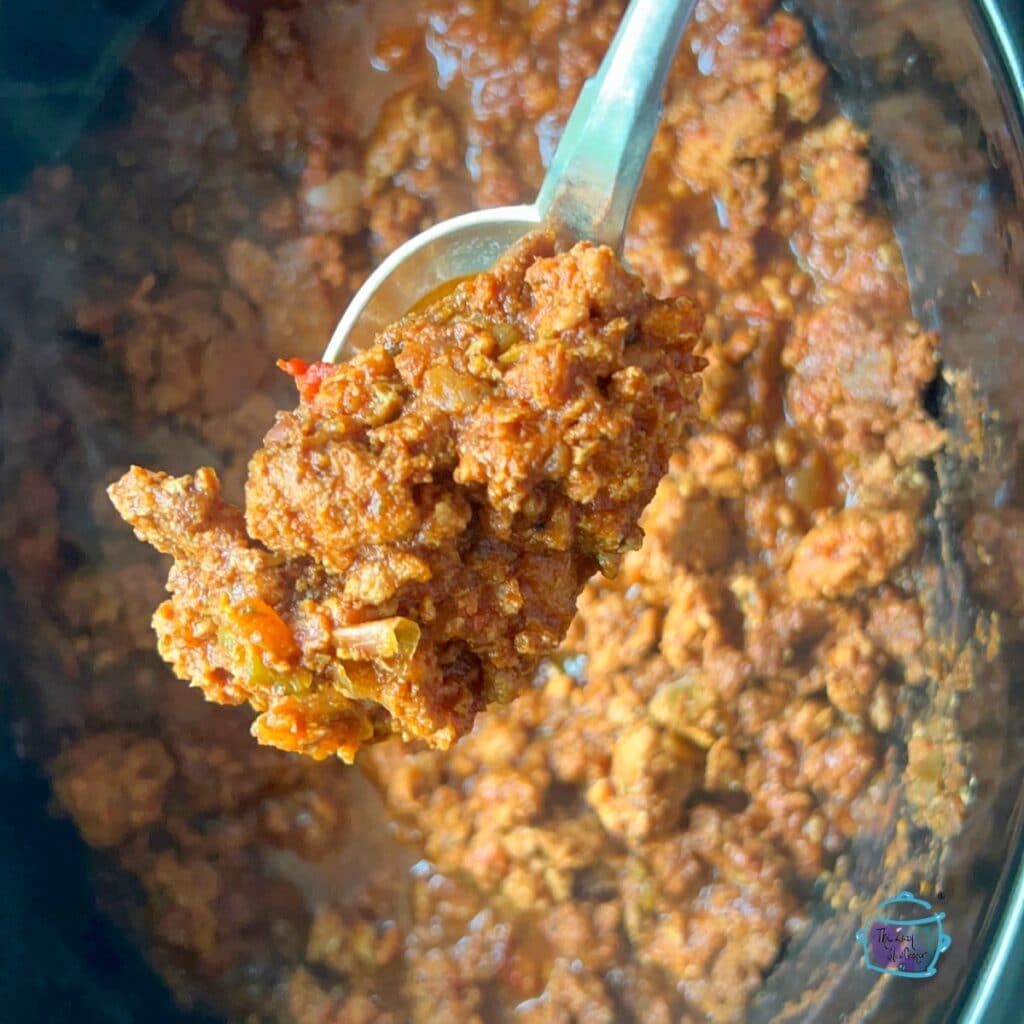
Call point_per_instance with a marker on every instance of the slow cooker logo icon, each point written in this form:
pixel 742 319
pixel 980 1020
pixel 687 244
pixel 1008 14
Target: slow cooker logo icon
pixel 904 937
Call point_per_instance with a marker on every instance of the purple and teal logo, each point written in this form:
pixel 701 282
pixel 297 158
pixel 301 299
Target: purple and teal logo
pixel 904 937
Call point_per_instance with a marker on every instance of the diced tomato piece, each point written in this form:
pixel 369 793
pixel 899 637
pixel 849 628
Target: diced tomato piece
pixel 256 623
pixel 308 376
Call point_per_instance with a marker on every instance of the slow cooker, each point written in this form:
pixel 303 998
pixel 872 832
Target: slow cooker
pixel 922 77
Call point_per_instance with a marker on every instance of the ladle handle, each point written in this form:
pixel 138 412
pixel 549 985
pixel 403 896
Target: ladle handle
pixel 595 174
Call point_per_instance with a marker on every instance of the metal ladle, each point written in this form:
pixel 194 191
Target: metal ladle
pixel 588 191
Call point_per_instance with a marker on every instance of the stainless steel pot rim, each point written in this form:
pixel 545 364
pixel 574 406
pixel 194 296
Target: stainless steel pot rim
pixel 997 984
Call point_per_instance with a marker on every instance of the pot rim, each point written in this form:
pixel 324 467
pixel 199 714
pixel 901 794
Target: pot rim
pixel 996 988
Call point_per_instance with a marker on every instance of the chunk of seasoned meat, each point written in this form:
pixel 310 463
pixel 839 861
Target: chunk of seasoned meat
pixel 652 773
pixel 113 784
pixel 417 531
pixel 851 550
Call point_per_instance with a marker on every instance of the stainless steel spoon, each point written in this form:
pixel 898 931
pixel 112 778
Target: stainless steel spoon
pixel 588 190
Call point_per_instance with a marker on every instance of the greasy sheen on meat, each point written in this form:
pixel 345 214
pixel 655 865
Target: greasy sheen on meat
pixel 416 533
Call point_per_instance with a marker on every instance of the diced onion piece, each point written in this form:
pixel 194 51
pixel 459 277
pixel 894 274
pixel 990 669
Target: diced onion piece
pixel 451 390
pixel 360 681
pixel 382 640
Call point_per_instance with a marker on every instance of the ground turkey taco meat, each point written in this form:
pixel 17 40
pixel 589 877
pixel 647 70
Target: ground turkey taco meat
pixel 735 724
pixel 416 533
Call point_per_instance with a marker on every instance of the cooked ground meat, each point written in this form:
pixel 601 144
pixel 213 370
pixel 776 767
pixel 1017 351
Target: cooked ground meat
pixel 417 532
pixel 634 837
